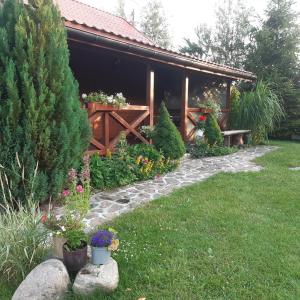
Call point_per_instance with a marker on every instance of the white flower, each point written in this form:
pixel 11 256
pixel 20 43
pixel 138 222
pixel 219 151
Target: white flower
pixel 110 99
pixel 63 228
pixel 83 96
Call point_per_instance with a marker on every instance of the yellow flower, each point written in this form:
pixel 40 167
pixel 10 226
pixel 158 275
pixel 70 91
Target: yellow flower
pixel 138 160
pixel 114 245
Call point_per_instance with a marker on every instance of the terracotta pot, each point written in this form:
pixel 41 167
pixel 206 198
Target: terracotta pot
pixel 75 260
pixel 58 243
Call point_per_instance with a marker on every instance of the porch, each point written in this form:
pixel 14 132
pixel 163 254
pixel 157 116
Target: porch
pixel 145 82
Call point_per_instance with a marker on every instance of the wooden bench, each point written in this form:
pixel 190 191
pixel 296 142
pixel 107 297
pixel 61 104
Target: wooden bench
pixel 235 137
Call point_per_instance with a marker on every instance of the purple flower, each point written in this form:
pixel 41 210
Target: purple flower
pixel 102 238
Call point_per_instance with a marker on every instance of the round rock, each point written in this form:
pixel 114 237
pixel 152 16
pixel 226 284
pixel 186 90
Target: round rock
pixel 47 281
pixel 91 278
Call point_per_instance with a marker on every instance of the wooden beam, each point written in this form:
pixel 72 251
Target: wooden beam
pixel 150 94
pixel 106 130
pixel 184 105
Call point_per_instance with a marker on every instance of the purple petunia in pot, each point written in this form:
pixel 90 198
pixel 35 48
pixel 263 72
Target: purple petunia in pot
pixel 103 242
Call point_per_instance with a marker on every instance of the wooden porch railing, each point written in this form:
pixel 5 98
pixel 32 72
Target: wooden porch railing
pixel 192 115
pixel 107 122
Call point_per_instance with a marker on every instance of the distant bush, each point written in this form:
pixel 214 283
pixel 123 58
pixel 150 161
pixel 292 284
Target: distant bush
pixel 166 137
pixel 212 131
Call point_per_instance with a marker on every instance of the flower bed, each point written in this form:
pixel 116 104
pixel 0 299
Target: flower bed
pixel 128 164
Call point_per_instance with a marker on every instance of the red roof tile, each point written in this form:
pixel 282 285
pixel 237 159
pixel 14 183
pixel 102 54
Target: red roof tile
pixel 84 14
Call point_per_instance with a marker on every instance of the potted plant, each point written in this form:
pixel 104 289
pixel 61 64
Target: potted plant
pixel 75 249
pixel 200 125
pixel 56 225
pixel 103 242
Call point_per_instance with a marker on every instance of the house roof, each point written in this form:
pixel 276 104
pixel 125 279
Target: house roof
pixel 85 18
pixel 80 13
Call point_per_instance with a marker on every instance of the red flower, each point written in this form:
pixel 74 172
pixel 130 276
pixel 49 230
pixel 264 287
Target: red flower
pixel 202 118
pixel 44 219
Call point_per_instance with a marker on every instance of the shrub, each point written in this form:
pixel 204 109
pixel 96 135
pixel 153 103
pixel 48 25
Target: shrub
pixel 212 131
pixel 202 149
pixel 128 164
pixel 234 115
pixel 166 137
pixel 260 111
pixel 107 173
pixel 40 113
pixel 22 240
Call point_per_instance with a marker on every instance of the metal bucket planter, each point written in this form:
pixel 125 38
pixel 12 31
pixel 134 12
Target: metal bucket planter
pixel 75 260
pixel 58 243
pixel 100 255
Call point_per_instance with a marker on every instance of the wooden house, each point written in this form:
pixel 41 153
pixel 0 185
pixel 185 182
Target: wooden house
pixel 107 53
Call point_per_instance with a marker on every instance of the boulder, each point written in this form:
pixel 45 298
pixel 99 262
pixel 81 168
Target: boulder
pixel 91 278
pixel 48 280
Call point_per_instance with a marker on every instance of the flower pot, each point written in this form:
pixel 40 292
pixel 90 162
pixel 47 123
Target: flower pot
pixel 199 134
pixel 100 255
pixel 58 243
pixel 75 260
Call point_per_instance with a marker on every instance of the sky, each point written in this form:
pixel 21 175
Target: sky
pixel 183 15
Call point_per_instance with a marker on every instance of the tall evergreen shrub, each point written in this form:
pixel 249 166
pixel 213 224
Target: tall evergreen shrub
pixel 235 102
pixel 212 131
pixel 40 114
pixel 166 137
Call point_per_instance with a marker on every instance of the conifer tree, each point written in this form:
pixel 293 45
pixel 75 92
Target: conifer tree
pixel 40 115
pixel 166 136
pixel 154 24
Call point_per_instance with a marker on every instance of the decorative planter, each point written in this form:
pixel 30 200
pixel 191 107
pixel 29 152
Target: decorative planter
pixel 75 260
pixel 199 134
pixel 58 243
pixel 100 255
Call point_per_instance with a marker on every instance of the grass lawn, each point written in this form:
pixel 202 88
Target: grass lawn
pixel 234 236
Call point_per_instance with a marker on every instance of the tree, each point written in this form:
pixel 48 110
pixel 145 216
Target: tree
pixel 166 137
pixel 40 115
pixel 228 41
pixel 120 10
pixel 154 24
pixel 275 58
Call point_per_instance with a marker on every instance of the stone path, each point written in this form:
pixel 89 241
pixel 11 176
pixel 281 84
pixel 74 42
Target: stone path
pixel 109 204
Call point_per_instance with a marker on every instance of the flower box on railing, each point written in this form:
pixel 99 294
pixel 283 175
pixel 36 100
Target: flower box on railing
pixel 203 110
pixel 94 106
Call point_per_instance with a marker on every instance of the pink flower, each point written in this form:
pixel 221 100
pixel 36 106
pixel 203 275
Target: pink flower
pixel 79 189
pixel 65 193
pixel 72 175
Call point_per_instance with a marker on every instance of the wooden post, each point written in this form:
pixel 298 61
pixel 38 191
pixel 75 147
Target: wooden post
pixel 184 106
pixel 228 94
pixel 150 94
